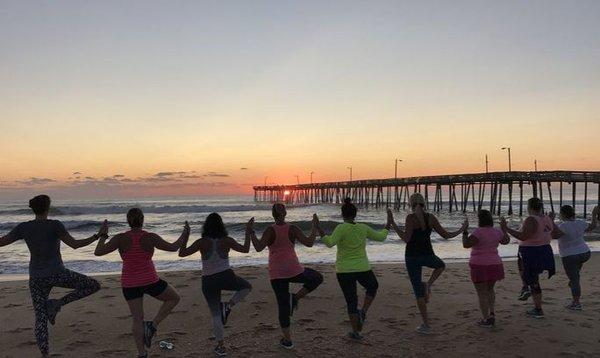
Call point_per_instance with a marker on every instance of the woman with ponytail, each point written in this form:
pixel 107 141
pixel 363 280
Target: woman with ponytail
pixel 419 251
pixel 352 264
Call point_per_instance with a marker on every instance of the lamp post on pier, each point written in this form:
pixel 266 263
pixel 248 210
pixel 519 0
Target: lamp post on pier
pixel 509 158
pixel 396 168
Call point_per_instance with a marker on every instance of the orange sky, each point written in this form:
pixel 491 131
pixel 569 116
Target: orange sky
pixel 120 96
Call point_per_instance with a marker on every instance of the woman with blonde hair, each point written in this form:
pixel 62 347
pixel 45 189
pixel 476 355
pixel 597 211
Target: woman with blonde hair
pixel 419 251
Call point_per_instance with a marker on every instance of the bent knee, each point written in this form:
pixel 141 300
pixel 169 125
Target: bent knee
pixel 95 286
pixel 318 278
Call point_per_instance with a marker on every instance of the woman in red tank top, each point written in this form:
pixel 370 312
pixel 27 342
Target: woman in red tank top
pixel 139 276
pixel 284 266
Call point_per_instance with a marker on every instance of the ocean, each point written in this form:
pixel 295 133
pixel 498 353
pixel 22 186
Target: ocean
pixel 166 216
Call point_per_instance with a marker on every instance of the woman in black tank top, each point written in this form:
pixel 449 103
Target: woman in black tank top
pixel 419 251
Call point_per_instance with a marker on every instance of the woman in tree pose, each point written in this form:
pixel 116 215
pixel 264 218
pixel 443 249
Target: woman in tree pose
pixel 46 270
pixel 573 250
pixel 534 250
pixel 284 267
pixel 217 275
pixel 139 276
pixel 419 252
pixel 352 264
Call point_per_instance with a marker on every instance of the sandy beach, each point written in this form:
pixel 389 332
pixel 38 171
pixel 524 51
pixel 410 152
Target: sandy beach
pixel 100 325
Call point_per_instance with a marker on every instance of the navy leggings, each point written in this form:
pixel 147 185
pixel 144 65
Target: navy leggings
pixel 281 286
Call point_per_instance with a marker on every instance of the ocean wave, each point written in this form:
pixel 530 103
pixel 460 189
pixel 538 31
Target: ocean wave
pixel 150 209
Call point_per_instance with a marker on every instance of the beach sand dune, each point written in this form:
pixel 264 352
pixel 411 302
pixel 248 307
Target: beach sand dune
pixel 100 326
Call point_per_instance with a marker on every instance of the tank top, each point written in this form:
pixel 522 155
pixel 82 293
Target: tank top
pixel 138 268
pixel 420 241
pixel 215 261
pixel 486 250
pixel 543 233
pixel 283 262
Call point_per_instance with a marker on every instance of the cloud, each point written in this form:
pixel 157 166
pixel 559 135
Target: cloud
pixel 160 179
pixel 77 173
pixel 195 176
pixel 216 175
pixel 36 181
pixel 168 174
pixel 244 168
pixel 118 176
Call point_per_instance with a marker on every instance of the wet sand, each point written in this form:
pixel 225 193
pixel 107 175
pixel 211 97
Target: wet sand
pixel 99 326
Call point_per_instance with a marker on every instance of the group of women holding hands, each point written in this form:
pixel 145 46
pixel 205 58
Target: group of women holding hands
pixel 139 276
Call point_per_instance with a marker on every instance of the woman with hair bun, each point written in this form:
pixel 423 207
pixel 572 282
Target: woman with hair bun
pixel 352 264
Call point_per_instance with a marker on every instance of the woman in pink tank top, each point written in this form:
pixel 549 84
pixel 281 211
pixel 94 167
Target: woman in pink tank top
pixel 284 266
pixel 485 263
pixel 139 276
pixel 535 252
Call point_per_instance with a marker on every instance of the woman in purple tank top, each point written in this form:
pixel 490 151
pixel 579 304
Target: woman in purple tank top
pixel 284 266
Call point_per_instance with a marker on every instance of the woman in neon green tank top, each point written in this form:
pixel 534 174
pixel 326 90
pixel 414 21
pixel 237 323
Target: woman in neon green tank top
pixel 352 264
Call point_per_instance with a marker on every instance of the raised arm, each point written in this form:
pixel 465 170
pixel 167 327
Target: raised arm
pixel 556 232
pixel 334 238
pixel 505 239
pixel 187 251
pixel 377 235
pixel 297 234
pixel 8 239
pixel 163 245
pixel 529 228
pixel 595 218
pixel 443 232
pixel 105 248
pixel 469 241
pixel 266 239
pixel 404 235
pixel 76 244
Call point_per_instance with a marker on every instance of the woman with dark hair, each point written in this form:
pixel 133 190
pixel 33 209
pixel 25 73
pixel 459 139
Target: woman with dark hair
pixel 217 275
pixel 139 276
pixel 352 264
pixel 485 263
pixel 46 269
pixel 284 266
pixel 534 250
pixel 419 252
pixel 573 250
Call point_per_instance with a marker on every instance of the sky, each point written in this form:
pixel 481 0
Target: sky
pixel 156 98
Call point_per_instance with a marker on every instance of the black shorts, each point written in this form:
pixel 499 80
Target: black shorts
pixel 155 289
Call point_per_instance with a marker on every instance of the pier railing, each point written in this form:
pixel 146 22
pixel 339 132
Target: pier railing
pixel 456 192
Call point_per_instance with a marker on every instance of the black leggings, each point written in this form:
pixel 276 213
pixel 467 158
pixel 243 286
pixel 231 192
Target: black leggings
pixel 40 290
pixel 281 286
pixel 348 282
pixel 211 288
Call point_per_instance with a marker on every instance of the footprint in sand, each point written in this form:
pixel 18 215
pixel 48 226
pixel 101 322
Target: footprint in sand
pixel 12 305
pixel 305 321
pixel 115 352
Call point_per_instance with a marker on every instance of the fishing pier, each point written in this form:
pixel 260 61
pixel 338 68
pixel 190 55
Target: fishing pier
pixel 500 192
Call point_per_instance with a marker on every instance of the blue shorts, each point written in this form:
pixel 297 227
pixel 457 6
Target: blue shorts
pixel 414 266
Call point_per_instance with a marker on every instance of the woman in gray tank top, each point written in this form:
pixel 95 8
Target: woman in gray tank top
pixel 217 274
